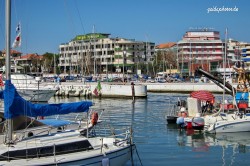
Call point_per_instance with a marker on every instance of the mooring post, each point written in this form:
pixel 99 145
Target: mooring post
pixel 133 90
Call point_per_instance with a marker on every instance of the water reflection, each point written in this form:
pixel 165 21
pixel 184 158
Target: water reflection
pixel 159 143
pixel 194 139
pixel 201 141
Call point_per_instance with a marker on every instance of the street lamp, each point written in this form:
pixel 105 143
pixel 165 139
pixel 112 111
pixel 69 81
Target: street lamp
pixel 124 54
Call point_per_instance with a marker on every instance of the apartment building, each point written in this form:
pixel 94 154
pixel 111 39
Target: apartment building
pixel 200 48
pixel 97 53
pixel 245 54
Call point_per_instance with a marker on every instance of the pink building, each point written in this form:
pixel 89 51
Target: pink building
pixel 199 48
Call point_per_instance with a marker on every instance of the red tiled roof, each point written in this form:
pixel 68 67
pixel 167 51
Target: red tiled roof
pixel 12 52
pixel 30 56
pixel 166 45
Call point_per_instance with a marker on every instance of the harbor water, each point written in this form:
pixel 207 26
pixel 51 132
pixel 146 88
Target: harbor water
pixel 159 143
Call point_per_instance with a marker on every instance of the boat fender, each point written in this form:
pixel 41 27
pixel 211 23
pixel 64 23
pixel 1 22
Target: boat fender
pixel 189 125
pixel 180 121
pixel 94 118
pixel 105 161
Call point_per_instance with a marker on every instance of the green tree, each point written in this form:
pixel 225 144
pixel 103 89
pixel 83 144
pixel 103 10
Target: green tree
pixel 48 62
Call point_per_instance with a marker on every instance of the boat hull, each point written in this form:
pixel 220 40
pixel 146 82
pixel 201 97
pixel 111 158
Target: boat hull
pixel 113 158
pixel 238 125
pixel 34 95
pixel 171 119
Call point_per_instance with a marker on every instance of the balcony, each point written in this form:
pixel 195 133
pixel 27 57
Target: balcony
pixel 118 56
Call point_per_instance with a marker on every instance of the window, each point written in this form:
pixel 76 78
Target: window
pixel 47 150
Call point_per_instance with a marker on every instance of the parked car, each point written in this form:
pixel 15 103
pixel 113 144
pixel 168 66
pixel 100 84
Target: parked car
pixel 69 78
pixel 160 80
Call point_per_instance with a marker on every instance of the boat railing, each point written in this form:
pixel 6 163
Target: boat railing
pixel 173 110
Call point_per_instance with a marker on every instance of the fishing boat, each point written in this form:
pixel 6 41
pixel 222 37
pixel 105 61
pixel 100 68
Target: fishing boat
pixel 71 147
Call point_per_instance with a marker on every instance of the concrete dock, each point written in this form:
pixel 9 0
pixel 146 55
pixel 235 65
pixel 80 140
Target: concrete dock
pixel 111 89
pixel 183 87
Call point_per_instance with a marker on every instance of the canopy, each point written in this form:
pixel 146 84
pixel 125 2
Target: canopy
pixel 15 105
pixel 202 95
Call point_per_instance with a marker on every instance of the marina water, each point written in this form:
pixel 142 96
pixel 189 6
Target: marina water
pixel 159 143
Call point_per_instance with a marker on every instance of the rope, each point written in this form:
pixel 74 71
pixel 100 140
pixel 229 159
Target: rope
pixel 79 16
pixel 138 155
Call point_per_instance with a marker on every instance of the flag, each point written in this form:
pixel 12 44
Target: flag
pixel 99 87
pixel 17 42
pixel 18 28
pixel 95 91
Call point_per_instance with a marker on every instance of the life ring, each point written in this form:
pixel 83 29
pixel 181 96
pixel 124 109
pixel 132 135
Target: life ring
pixel 94 118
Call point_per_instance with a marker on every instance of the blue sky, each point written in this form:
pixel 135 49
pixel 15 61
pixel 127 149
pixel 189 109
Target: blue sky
pixel 48 23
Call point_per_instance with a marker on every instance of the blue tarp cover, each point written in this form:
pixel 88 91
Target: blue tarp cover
pixel 15 105
pixel 55 122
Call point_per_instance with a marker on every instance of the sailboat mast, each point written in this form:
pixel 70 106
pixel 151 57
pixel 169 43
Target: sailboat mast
pixel 93 32
pixel 224 66
pixel 7 58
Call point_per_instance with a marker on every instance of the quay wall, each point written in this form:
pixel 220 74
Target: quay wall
pixel 141 89
pixel 183 87
pixel 107 89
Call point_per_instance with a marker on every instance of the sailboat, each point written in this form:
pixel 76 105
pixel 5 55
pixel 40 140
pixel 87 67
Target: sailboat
pixel 70 147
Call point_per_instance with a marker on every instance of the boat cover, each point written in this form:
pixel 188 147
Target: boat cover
pixel 56 122
pixel 15 105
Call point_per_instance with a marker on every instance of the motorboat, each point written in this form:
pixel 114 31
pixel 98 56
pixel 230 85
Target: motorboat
pixel 187 114
pixel 228 122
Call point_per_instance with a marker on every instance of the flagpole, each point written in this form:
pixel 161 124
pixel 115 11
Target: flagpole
pixel 7 62
pixel 224 66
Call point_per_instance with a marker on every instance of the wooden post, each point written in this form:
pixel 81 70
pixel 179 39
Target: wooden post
pixel 133 90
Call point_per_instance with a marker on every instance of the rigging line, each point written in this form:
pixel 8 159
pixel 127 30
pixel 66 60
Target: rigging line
pixel 14 6
pixel 69 17
pixel 2 16
pixel 138 155
pixel 79 17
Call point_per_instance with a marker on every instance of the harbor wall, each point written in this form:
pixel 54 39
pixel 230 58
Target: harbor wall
pixel 107 89
pixel 183 87
pixel 125 89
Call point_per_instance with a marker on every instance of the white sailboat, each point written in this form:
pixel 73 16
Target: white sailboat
pixel 65 148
